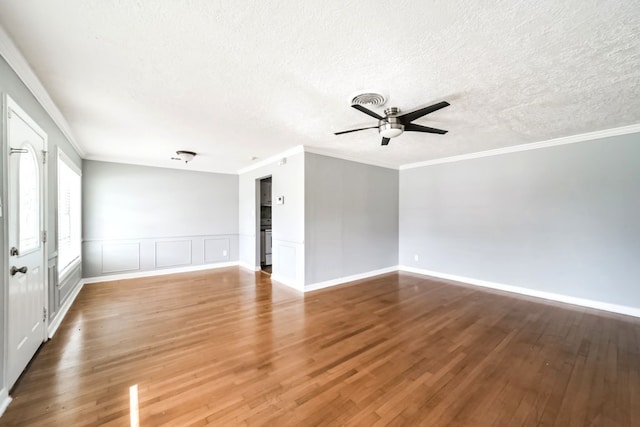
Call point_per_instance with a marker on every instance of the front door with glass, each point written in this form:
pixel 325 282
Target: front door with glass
pixel 27 278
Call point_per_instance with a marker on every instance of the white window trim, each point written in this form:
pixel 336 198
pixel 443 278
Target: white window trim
pixel 62 156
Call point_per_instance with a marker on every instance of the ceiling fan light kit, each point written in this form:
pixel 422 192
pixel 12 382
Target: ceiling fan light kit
pixel 391 126
pixel 393 123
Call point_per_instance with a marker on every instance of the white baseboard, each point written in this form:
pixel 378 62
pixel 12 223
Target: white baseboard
pixel 5 399
pixel 583 302
pixel 248 266
pixel 341 280
pixel 53 326
pixel 287 282
pixel 162 272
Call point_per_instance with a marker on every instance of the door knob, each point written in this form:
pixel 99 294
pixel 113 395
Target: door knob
pixel 15 270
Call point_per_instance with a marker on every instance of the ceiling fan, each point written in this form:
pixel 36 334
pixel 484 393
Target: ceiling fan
pixel 393 123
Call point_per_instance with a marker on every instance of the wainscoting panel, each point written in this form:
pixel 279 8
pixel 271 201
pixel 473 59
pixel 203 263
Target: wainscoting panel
pixel 216 250
pixel 68 284
pixel 54 291
pixel 119 257
pixel 60 291
pixel 108 257
pixel 248 251
pixel 288 263
pixel 173 253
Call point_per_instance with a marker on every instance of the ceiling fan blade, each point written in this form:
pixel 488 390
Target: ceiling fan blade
pixel 385 141
pixel 367 112
pixel 355 130
pixel 409 117
pixel 412 127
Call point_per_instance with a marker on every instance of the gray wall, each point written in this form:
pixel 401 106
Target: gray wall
pixel 287 219
pixel 564 220
pixel 351 217
pixel 11 85
pixel 140 218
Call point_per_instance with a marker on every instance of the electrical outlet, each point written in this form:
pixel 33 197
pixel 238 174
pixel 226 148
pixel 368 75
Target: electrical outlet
pixel 416 258
pixel 224 252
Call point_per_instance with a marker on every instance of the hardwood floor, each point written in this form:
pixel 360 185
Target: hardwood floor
pixel 226 347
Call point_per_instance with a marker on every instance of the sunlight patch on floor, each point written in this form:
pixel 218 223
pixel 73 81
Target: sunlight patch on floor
pixel 133 406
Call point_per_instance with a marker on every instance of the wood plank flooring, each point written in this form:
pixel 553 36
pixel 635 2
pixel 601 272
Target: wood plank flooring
pixel 226 347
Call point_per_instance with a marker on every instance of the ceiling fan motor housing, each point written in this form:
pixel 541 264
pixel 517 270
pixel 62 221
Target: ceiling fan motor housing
pixel 390 126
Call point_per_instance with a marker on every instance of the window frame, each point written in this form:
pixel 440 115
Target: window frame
pixel 64 271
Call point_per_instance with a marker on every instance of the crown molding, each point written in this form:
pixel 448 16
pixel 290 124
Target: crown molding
pixel 583 137
pixel 180 166
pixel 314 150
pixel 589 136
pixel 20 66
pixel 329 153
pixel 272 159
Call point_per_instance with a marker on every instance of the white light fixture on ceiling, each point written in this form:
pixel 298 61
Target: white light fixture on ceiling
pixel 390 130
pixel 184 155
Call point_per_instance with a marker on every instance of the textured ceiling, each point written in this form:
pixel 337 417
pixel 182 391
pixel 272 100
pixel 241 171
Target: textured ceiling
pixel 137 80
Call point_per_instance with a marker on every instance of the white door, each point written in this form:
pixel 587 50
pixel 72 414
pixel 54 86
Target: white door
pixel 27 278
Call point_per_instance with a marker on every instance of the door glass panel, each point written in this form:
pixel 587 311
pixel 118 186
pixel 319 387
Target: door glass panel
pixel 28 190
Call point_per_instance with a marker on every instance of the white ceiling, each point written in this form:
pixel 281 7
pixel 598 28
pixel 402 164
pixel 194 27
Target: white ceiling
pixel 137 80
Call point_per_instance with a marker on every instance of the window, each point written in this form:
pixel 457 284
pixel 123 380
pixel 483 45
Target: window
pixel 29 203
pixel 69 211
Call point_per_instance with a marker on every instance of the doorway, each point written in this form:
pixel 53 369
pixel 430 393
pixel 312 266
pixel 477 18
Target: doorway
pixel 264 241
pixel 26 243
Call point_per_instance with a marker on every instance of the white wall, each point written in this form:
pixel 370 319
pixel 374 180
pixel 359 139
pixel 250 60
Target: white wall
pixel 140 218
pixel 563 220
pixel 287 219
pixel 339 218
pixel 351 218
